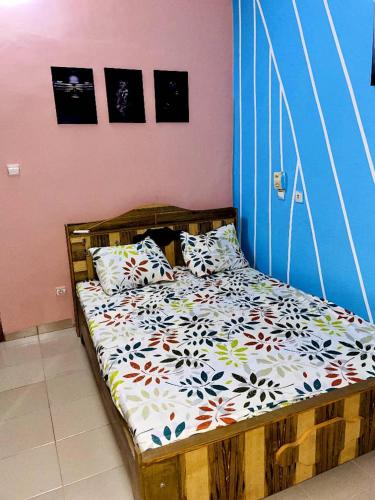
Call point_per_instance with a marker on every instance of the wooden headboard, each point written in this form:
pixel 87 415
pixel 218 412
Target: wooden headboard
pixel 122 229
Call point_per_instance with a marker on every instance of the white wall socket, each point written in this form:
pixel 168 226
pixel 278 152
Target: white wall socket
pixel 299 197
pixel 60 290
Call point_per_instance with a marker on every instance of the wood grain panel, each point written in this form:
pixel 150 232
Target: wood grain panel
pixel 162 480
pixel 329 444
pixel 169 251
pixel 205 227
pixel 278 434
pixel 352 428
pixel 194 229
pixel 195 471
pixel 126 237
pixel 306 451
pixel 255 487
pixel 100 240
pixel 226 463
pixel 114 239
pixel 79 266
pixel 329 411
pixel 366 442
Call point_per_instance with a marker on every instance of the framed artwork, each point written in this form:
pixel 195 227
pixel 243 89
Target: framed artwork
pixel 171 96
pixel 74 93
pixel 125 95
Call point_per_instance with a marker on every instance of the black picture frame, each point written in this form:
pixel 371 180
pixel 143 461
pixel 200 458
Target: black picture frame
pixel 74 94
pixel 125 95
pixel 171 96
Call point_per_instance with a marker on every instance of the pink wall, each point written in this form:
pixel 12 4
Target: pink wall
pixel 73 173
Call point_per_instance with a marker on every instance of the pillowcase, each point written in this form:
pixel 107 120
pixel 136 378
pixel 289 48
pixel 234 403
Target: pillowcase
pixel 215 251
pixel 124 267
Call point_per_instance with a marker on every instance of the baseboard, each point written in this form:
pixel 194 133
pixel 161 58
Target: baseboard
pixel 40 329
pixel 55 325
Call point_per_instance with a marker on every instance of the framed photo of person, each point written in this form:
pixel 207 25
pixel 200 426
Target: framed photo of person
pixel 125 95
pixel 74 94
pixel 171 96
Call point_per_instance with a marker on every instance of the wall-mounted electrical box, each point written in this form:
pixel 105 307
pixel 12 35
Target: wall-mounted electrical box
pixel 279 181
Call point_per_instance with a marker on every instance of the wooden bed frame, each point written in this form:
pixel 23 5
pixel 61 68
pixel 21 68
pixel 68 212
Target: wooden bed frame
pixel 247 460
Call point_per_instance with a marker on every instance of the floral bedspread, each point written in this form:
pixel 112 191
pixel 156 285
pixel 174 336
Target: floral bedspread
pixel 197 353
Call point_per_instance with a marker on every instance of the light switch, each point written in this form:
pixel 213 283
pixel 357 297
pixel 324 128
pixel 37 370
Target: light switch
pixel 281 194
pixel 13 169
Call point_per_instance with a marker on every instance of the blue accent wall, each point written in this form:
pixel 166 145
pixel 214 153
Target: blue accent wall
pixel 303 102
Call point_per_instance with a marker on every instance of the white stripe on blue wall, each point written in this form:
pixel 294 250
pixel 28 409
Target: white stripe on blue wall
pixel 287 146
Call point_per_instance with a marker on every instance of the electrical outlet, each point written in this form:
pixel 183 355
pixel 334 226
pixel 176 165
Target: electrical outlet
pixel 60 290
pixel 299 197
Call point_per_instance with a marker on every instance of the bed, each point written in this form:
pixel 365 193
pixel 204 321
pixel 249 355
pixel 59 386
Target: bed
pixel 231 386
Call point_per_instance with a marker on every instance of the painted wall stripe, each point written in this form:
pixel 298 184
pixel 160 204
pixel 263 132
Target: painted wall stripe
pixel 240 113
pixel 286 103
pixel 332 161
pixel 290 232
pixel 255 132
pixel 351 90
pixel 281 130
pixel 269 163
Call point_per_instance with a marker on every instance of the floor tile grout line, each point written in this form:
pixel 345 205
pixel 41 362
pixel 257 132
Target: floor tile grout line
pixel 45 493
pixel 96 474
pixel 53 425
pixel 82 432
pixel 20 452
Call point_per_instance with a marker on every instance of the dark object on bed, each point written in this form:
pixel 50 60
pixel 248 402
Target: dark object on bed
pixel 74 93
pixel 171 96
pixel 162 237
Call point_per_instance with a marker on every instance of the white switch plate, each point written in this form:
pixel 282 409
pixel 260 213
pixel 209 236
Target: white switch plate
pixel 281 194
pixel 13 169
pixel 299 197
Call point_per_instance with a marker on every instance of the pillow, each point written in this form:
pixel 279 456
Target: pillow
pixel 124 267
pixel 215 251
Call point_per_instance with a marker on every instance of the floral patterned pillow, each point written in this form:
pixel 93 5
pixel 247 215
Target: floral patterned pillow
pixel 124 267
pixel 212 252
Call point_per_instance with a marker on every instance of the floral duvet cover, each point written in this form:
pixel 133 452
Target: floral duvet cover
pixel 197 353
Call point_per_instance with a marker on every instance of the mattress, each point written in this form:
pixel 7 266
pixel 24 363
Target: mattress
pixel 198 353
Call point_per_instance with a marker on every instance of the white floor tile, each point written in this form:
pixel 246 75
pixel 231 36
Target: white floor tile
pixel 87 454
pixel 12 377
pixel 66 388
pixel 22 433
pixel 66 363
pixel 113 485
pixel 78 416
pixel 24 400
pixel 30 473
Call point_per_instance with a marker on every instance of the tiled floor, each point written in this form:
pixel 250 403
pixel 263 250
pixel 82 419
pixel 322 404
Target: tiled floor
pixel 56 443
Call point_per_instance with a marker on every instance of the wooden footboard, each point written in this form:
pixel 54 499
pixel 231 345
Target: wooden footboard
pixel 267 458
